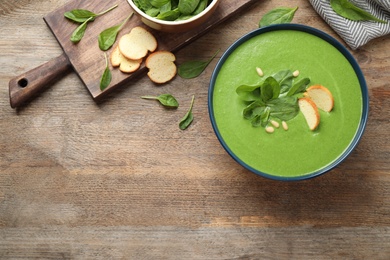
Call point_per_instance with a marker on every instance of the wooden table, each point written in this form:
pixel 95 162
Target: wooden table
pixel 118 180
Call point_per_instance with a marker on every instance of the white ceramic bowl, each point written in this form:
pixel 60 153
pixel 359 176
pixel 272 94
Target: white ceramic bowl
pixel 176 26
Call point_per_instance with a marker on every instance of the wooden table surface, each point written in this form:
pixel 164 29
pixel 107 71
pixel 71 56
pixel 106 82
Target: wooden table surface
pixel 118 179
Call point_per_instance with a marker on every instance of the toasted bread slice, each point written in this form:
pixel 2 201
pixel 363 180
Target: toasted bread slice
pixel 136 44
pixel 162 67
pixel 310 112
pixel 322 97
pixel 125 65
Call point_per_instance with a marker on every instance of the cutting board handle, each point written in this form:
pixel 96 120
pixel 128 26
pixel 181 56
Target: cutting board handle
pixel 25 86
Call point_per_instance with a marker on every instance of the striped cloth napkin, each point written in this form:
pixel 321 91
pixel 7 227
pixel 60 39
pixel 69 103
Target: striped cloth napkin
pixel 356 33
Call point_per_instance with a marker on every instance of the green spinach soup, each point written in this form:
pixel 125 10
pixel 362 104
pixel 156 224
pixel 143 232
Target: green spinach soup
pixel 297 151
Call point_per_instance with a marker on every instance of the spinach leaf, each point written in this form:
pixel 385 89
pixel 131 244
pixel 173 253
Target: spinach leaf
pixel 187 6
pixel 169 15
pixel 166 100
pixel 192 69
pixel 285 79
pixel 81 15
pixel 108 37
pixel 106 77
pixel 349 11
pixel 277 16
pixel 270 89
pixel 253 109
pixel 248 92
pixel 201 6
pixel 299 87
pixel 188 118
pixel 78 34
pixel 159 3
pixel 261 119
pixel 285 108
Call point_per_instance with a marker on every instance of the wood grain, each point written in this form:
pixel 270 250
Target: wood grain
pixel 117 179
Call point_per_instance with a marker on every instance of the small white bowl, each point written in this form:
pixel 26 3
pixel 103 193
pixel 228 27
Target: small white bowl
pixel 176 26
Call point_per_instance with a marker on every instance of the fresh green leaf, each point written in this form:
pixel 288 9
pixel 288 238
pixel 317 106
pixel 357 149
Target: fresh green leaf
pixel 201 7
pixel 284 108
pixel 284 78
pixel 192 69
pixel 169 15
pixel 159 3
pixel 248 92
pixel 108 37
pixel 278 16
pixel 299 87
pixel 270 89
pixel 350 11
pixel 78 34
pixel 106 77
pixel 165 99
pixel 187 6
pixel 254 109
pixel 79 15
pixel 188 118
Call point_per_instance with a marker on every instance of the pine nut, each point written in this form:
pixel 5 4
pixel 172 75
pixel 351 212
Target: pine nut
pixel 296 73
pixel 269 129
pixel 260 72
pixel 285 126
pixel 274 123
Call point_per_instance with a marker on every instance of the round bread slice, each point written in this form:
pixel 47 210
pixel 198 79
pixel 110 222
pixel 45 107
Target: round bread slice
pixel 310 112
pixel 125 65
pixel 322 97
pixel 162 67
pixel 136 44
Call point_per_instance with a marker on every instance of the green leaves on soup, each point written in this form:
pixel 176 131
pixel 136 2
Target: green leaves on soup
pixel 172 10
pixel 349 11
pixel 274 97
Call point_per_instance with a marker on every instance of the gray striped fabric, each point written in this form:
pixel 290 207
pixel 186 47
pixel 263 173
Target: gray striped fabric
pixel 356 33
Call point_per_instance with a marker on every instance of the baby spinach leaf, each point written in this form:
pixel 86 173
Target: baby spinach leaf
pixel 277 16
pixel 285 108
pixel 201 6
pixel 261 119
pixel 350 11
pixel 169 15
pixel 285 78
pixel 253 109
pixel 270 89
pixel 299 87
pixel 159 3
pixel 188 118
pixel 108 37
pixel 192 69
pixel 106 77
pixel 187 6
pixel 248 92
pixel 166 100
pixel 81 15
pixel 78 34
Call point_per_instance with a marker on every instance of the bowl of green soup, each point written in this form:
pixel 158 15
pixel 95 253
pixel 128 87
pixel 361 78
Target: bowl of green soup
pixel 254 102
pixel 174 16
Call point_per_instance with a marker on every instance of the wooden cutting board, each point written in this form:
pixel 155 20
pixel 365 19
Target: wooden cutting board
pixel 87 60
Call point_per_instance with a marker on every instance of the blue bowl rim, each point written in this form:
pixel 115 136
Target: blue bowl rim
pixel 341 49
